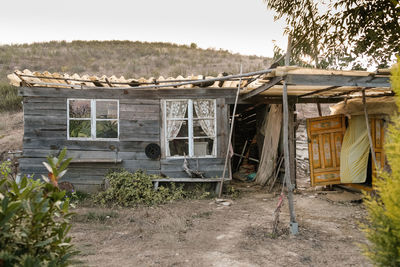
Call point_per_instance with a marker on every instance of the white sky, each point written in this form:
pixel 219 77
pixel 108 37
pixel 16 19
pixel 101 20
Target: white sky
pixel 246 27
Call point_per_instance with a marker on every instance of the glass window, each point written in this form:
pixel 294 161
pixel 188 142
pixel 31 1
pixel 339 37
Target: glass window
pixel 190 128
pixel 90 119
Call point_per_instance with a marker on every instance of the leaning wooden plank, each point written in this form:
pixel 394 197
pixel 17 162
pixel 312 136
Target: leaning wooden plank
pixel 269 154
pixel 262 88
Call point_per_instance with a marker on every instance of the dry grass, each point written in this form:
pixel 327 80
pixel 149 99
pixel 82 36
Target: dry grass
pixel 11 132
pixel 130 59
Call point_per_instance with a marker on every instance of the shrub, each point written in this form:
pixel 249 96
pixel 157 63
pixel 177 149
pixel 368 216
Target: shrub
pixel 34 222
pixel 130 189
pixel 9 99
pixel 383 226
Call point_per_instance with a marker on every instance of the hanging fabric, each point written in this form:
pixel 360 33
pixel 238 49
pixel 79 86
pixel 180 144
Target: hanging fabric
pixel 354 152
pixel 175 110
pixel 205 109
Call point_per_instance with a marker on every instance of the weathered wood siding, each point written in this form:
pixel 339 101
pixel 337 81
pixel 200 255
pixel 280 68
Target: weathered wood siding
pixel 45 133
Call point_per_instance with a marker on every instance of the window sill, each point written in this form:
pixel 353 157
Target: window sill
pixel 96 161
pixel 198 157
pixel 89 139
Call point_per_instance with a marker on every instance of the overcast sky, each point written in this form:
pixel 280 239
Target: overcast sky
pixel 240 26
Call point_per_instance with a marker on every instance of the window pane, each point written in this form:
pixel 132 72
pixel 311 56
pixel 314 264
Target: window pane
pixel 178 147
pixel 79 108
pixel 203 147
pixel 177 129
pixel 106 109
pixel 79 129
pixel 204 128
pixel 203 108
pixel 177 109
pixel 106 129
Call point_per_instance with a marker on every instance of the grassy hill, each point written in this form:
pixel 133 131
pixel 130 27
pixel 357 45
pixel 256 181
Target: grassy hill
pixel 120 58
pixel 130 59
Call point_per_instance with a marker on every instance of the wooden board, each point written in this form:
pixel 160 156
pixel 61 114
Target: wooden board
pixel 378 139
pixel 325 136
pixel 269 155
pixel 126 93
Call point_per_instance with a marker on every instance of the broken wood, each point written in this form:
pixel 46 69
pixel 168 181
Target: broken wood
pixel 271 141
pixel 277 170
pixel 190 172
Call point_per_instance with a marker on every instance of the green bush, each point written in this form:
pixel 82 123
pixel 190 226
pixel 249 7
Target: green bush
pixel 9 99
pixel 130 189
pixel 34 223
pixel 383 222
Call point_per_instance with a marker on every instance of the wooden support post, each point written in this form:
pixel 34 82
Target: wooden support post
pixel 293 223
pixel 230 136
pixel 371 143
pixel 292 142
pixel 319 109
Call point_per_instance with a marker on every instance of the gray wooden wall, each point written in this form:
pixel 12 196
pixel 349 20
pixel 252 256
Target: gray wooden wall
pixel 45 133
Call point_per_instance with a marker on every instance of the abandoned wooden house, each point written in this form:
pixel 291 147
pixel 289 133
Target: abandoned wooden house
pixel 158 124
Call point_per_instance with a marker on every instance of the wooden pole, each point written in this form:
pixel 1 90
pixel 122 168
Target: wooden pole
pixel 371 143
pixel 230 135
pixel 293 223
pixel 319 109
pixel 292 141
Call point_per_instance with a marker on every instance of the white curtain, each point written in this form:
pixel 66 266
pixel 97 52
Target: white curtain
pixel 355 151
pixel 175 109
pixel 206 109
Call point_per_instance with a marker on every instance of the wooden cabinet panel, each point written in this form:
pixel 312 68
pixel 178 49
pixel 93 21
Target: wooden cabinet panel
pixel 325 136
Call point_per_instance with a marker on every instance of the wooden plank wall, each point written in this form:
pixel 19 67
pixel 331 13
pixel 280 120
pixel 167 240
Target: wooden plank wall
pixel 45 133
pixel 212 167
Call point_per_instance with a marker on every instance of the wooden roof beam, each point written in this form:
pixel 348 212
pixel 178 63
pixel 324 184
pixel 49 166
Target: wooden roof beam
pixel 337 80
pixel 274 81
pixel 319 91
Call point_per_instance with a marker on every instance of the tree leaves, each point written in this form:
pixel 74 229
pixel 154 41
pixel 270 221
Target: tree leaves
pixel 336 33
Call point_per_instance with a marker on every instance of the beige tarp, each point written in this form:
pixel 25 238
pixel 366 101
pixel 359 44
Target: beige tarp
pixel 355 151
pixel 375 106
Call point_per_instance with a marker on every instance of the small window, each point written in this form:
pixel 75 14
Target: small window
pixel 90 119
pixel 190 128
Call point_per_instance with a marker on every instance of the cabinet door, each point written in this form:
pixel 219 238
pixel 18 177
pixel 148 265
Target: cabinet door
pixel 325 137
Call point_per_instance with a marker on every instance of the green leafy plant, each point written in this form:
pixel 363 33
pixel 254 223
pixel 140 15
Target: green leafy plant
pixel 57 167
pixel 34 222
pixel 383 222
pixel 130 189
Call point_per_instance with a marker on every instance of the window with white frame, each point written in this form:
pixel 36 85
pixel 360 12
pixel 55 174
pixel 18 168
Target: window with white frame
pixel 190 128
pixel 90 119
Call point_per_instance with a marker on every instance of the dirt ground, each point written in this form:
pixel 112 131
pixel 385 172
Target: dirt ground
pixel 204 233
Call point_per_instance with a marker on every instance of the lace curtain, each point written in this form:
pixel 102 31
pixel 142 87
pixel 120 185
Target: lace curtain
pixel 206 109
pixel 175 109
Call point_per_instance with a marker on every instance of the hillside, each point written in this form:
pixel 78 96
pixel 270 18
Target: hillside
pixel 123 58
pixel 120 58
